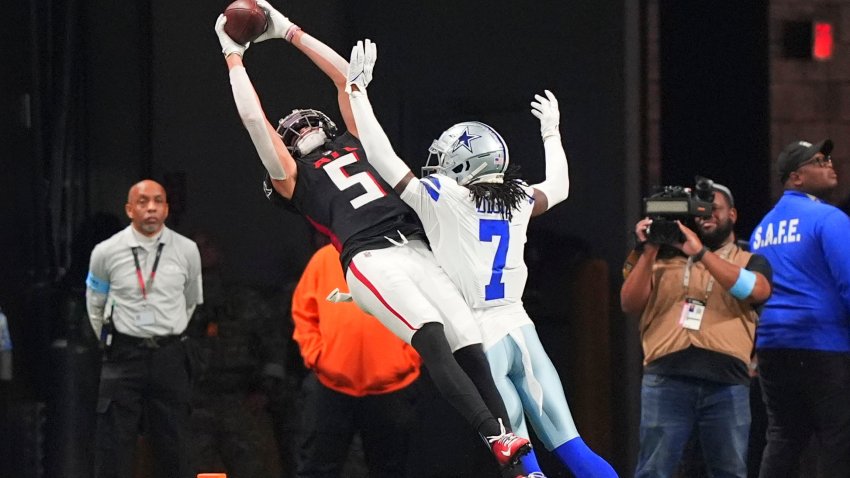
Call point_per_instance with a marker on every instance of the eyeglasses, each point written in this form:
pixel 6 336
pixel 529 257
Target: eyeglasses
pixel 820 161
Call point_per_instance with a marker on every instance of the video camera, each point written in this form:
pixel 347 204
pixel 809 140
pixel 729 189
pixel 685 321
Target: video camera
pixel 672 203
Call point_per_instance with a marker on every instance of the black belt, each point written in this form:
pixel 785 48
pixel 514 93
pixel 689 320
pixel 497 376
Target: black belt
pixel 145 342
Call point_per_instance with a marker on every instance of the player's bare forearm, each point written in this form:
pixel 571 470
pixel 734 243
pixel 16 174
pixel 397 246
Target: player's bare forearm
pixel 402 184
pixel 330 62
pixel 334 66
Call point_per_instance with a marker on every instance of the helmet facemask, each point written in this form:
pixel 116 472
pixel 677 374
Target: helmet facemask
pixel 468 152
pixel 302 131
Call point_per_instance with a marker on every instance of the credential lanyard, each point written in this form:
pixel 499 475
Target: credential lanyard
pixel 686 279
pixel 139 269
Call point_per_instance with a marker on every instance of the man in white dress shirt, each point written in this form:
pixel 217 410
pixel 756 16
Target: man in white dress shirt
pixel 143 285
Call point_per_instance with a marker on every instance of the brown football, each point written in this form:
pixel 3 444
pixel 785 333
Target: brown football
pixel 245 21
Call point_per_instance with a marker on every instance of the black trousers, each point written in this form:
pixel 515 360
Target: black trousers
pixel 330 419
pixel 806 393
pixel 145 390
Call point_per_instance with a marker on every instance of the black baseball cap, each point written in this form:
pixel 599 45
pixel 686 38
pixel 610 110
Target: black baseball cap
pixel 798 153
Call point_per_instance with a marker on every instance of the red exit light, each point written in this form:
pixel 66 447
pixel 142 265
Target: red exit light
pixel 823 42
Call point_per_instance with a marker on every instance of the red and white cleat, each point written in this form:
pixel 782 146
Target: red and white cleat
pixel 507 447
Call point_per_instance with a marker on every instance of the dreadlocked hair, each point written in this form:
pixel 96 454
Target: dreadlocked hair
pixel 503 197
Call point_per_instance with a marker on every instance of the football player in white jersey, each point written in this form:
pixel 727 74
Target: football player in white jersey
pixel 476 210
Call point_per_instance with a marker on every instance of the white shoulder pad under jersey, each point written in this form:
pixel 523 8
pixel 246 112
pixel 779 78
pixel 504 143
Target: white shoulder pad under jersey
pixel 480 250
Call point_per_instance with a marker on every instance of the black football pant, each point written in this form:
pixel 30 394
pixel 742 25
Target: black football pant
pixel 330 419
pixel 806 393
pixel 143 389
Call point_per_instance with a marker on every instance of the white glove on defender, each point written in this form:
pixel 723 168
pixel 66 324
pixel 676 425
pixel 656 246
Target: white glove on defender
pixel 279 25
pixel 546 110
pixel 363 57
pixel 228 46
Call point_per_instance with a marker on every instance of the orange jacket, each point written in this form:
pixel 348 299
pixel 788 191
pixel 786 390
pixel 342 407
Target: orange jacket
pixel 349 350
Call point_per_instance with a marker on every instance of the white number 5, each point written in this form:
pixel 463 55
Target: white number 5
pixel 343 181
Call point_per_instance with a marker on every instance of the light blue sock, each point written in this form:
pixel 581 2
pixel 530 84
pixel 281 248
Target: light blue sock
pixel 529 461
pixel 582 461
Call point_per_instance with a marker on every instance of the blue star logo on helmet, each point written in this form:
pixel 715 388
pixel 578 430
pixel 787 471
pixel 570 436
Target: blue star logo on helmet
pixel 464 140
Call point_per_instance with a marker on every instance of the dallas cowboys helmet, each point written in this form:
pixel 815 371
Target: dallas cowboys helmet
pixel 468 152
pixel 303 131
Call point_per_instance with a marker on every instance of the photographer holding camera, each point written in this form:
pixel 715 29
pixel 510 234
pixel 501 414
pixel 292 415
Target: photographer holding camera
pixel 695 295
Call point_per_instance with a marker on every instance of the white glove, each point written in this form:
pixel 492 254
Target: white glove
pixel 228 46
pixel 279 25
pixel 363 56
pixel 546 110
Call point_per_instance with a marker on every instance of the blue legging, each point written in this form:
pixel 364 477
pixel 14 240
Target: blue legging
pixel 553 423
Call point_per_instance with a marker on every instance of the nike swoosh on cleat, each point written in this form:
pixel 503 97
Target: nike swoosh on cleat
pixel 505 452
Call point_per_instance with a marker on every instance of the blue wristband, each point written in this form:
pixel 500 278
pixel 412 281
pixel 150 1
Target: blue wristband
pixel 744 286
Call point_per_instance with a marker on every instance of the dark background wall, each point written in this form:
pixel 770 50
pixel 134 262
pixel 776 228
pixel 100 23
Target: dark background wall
pixel 151 98
pixel 714 101
pixel 157 102
pixel 439 62
pixel 98 95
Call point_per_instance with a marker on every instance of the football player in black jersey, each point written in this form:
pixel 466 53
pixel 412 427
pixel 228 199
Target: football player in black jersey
pixel 389 268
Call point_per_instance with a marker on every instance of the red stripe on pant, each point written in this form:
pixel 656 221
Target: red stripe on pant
pixel 374 290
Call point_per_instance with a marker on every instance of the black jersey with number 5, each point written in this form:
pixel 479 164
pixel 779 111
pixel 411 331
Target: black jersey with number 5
pixel 340 193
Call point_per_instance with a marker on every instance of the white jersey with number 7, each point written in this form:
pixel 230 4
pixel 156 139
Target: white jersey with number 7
pixel 480 250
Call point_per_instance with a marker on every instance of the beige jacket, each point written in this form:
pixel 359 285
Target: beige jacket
pixel 728 325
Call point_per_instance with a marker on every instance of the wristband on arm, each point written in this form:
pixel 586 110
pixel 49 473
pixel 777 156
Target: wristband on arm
pixel 291 33
pixel 744 286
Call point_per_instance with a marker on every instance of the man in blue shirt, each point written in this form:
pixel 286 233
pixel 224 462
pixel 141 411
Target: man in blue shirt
pixel 803 342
